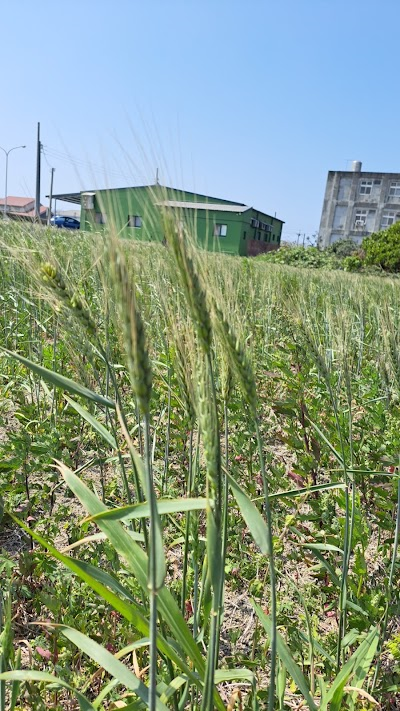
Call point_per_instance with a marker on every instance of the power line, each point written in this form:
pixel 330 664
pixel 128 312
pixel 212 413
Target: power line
pixel 80 163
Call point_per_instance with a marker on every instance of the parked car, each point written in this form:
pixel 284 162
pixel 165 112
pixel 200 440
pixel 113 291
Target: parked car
pixel 69 223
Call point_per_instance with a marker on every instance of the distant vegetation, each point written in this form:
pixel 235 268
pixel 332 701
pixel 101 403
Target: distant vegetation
pixel 378 254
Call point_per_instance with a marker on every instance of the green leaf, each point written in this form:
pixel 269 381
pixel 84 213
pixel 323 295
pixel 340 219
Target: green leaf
pixel 318 647
pixel 223 675
pixel 281 686
pixel 60 381
pixel 173 687
pixel 292 493
pixel 164 506
pixel 327 566
pixel 102 431
pixel 359 663
pixel 286 658
pixel 95 537
pixel 137 562
pixel 321 547
pixel 30 675
pixel 109 662
pixel 131 611
pixel 326 440
pixel 251 515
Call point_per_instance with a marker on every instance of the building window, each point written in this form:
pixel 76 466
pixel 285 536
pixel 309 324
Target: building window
pixel 344 189
pixel 254 222
pixel 220 230
pixel 339 217
pixel 244 235
pixel 389 218
pixel 360 219
pixel 134 221
pixel 394 190
pixel 365 187
pixel 100 218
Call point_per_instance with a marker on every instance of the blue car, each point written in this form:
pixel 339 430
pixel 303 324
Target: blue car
pixel 69 223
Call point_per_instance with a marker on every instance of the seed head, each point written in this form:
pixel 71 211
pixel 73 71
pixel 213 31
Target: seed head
pixel 208 423
pixel 138 361
pixel 52 278
pixel 238 360
pixel 190 283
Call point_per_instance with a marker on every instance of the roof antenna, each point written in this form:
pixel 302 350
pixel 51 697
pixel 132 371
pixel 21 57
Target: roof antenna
pixel 157 180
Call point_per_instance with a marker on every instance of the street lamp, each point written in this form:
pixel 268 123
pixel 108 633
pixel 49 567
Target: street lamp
pixel 6 153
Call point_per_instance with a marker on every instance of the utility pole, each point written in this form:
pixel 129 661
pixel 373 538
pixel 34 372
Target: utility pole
pixel 38 156
pixel 50 196
pixel 6 153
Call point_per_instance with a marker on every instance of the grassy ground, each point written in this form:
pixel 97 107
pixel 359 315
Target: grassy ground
pixel 242 420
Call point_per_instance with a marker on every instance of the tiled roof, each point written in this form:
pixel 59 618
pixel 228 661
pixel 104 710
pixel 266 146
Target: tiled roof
pixel 17 201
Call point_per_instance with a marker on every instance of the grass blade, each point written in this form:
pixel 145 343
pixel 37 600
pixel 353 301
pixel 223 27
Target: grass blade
pixel 251 515
pixel 286 658
pixel 93 422
pixel 164 506
pixel 30 675
pixel 60 381
pixel 109 662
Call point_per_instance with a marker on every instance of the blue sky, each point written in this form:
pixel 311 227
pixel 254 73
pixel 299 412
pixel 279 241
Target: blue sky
pixel 246 100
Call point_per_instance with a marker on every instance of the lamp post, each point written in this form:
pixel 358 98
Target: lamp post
pixel 6 153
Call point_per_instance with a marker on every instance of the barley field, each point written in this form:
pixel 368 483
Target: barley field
pixel 199 479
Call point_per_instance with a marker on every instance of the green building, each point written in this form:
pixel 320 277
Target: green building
pixel 138 213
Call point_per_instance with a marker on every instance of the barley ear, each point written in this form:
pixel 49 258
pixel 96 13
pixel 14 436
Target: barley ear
pixel 237 359
pixel 138 361
pixel 183 258
pixel 54 281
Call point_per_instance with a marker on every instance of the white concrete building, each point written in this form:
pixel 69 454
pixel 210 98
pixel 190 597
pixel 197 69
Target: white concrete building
pixel 358 203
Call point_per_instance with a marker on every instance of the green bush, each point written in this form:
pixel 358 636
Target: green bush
pixel 382 249
pixel 352 263
pixel 309 257
pixel 343 248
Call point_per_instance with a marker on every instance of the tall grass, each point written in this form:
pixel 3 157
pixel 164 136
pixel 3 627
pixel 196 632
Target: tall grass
pixel 210 384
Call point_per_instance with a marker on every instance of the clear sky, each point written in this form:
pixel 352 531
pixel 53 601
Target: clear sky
pixel 247 100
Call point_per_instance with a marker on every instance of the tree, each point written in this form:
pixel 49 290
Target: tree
pixel 383 249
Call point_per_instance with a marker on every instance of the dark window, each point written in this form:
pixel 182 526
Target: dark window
pixel 244 235
pixel 220 230
pixel 134 221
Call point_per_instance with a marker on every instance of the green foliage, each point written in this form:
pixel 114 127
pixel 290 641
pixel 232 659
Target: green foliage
pixel 382 249
pixel 343 248
pixel 291 477
pixel 308 257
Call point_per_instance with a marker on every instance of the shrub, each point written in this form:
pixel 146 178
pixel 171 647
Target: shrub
pixel 343 248
pixel 309 257
pixel 382 249
pixel 352 263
